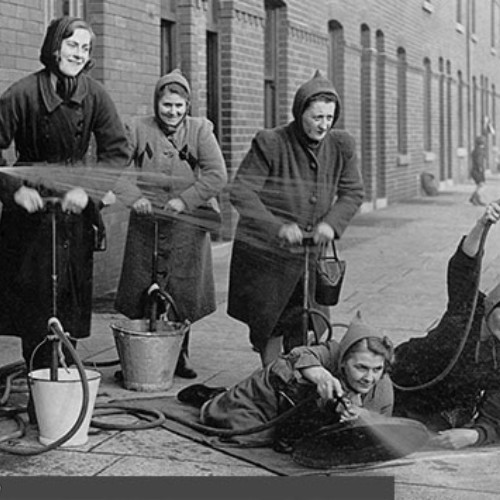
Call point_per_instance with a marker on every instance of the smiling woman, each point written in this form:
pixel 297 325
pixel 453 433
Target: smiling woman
pixel 51 115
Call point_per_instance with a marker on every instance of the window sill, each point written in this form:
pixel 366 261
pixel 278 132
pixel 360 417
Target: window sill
pixel 429 156
pixel 403 160
pixel 460 27
pixel 493 51
pixel 461 152
pixel 427 6
pixel 474 38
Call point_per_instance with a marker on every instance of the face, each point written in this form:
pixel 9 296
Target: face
pixel 172 108
pixel 74 52
pixel 363 369
pixel 317 119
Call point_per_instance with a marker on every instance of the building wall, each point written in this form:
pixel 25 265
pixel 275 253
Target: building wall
pixel 364 65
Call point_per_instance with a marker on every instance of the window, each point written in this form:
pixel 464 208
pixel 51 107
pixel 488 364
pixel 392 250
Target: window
pixel 427 105
pixel 58 8
pixel 460 110
pixel 473 16
pixel 459 18
pixel 271 63
pixel 493 24
pixel 168 34
pixel 337 61
pixel 402 102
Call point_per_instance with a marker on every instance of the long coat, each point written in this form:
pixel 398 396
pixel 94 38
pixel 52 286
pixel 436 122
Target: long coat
pixel 282 181
pixel 184 252
pixel 48 131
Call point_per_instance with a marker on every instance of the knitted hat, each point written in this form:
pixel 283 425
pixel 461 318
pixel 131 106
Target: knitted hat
pixel 318 84
pixel 356 331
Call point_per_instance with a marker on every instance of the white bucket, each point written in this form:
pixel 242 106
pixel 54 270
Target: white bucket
pixel 58 403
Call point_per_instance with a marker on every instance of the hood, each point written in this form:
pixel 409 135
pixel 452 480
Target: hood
pixel 356 331
pixel 54 37
pixel 174 76
pixel 318 84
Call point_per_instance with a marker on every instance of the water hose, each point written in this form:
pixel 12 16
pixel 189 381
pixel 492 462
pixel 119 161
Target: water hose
pixel 468 326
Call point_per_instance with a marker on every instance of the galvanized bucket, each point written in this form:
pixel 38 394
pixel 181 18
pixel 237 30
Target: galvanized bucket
pixel 148 359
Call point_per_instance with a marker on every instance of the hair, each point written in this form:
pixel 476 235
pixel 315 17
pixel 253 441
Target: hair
pixel 60 29
pixel 174 88
pixel 376 345
pixel 321 97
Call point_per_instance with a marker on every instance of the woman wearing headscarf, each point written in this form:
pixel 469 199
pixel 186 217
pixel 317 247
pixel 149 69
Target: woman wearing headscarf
pixel 177 165
pixel 348 378
pixel 50 115
pixel 296 180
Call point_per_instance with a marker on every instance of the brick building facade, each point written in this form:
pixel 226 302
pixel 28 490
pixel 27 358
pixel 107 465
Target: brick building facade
pixel 419 79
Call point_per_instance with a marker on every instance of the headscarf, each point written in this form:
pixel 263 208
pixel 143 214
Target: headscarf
pixel 318 84
pixel 174 77
pixel 58 30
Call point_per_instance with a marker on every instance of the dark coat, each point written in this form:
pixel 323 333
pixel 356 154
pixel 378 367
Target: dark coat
pixel 282 181
pixel 45 131
pixel 421 359
pixel 184 252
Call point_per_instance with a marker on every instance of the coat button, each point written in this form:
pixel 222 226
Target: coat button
pixel 313 199
pixel 309 228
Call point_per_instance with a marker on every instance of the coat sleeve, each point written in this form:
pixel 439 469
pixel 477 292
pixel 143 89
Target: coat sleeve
pixel 212 176
pixel 126 188
pixel 324 355
pixel 462 274
pixel 487 422
pixel 350 189
pixel 254 171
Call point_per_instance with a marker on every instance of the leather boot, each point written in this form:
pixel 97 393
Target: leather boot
pixel 183 368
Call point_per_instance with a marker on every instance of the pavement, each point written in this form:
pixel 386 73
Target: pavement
pixel 396 277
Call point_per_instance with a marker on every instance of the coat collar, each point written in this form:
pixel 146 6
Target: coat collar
pixel 49 96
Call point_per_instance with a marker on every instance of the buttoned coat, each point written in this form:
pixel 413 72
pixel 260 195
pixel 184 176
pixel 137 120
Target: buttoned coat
pixel 159 172
pixel 47 131
pixel 282 181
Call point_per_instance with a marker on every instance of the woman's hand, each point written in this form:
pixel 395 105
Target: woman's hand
pixel 29 199
pixel 291 234
pixel 491 213
pixel 142 206
pixel 323 233
pixel 454 439
pixel 176 205
pixel 75 201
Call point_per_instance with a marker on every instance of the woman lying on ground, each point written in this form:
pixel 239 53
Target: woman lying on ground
pixel 350 378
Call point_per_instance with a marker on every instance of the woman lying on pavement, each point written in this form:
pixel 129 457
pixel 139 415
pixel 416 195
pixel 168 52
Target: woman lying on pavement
pixel 464 407
pixel 350 378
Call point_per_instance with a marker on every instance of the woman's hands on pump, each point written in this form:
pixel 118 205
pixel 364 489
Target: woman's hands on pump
pixel 75 201
pixel 455 439
pixel 176 205
pixel 292 234
pixel 29 199
pixel 143 206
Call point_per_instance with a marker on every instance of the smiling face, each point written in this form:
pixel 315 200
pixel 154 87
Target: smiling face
pixel 172 108
pixel 74 52
pixel 317 119
pixel 363 369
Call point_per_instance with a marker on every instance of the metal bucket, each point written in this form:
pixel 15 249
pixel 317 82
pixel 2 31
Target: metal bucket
pixel 148 359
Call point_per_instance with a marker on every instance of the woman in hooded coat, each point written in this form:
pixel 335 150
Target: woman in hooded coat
pixel 50 115
pixel 297 179
pixel 176 164
pixel 356 369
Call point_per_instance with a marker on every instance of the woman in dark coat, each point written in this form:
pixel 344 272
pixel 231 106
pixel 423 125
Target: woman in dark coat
pixel 177 164
pixel 296 179
pixel 50 116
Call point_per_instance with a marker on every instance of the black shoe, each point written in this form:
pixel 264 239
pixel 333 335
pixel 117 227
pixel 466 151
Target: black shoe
pixel 183 369
pixel 196 395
